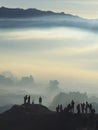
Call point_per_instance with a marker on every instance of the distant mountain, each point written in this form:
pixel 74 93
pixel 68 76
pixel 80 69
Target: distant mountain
pixel 23 13
pixel 32 18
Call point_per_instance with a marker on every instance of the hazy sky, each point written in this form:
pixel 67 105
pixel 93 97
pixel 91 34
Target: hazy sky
pixel 84 8
pixel 42 48
pixel 66 54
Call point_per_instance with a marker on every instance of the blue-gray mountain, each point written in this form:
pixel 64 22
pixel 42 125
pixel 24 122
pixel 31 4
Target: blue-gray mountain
pixel 18 13
pixel 34 18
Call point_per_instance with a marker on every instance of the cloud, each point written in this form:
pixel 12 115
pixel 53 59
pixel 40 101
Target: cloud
pixel 38 34
pixel 59 52
pixel 67 53
pixel 7 80
pixel 49 22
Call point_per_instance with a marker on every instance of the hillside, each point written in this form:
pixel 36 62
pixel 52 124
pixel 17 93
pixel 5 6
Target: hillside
pixel 5 107
pixel 39 117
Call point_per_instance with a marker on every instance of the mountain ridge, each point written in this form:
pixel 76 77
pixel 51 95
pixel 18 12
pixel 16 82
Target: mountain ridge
pixel 30 12
pixel 27 18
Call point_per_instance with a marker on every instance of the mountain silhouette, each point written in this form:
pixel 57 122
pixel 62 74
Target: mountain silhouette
pixel 39 117
pixel 23 13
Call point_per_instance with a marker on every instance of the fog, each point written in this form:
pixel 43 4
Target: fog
pixel 13 90
pixel 45 56
pixel 50 22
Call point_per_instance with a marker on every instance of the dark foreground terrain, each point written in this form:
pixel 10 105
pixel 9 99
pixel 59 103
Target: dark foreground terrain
pixel 38 117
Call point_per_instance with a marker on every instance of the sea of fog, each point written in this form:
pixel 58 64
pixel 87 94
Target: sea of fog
pixel 66 53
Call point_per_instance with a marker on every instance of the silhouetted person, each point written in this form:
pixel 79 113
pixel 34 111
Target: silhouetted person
pixel 72 105
pixel 68 108
pixel 86 107
pixel 25 99
pixel 57 108
pixel 78 108
pixel 65 109
pixel 82 107
pixel 90 108
pixel 40 100
pixel 93 111
pixel 32 101
pixel 61 108
pixel 29 99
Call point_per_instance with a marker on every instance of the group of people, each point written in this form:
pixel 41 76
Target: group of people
pixel 27 100
pixel 85 108
pixel 69 108
pixel 80 108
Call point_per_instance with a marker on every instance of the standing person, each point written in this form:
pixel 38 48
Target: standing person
pixel 86 107
pixel 29 99
pixel 25 99
pixel 78 108
pixel 58 108
pixel 83 107
pixel 33 101
pixel 61 108
pixel 40 100
pixel 69 108
pixel 72 104
pixel 90 108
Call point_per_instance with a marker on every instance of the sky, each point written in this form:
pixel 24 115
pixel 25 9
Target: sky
pixel 83 8
pixel 49 54
pixel 66 54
